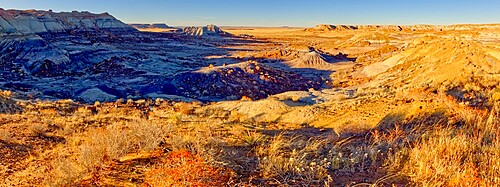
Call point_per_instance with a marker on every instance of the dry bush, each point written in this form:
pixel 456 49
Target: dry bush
pixel 495 97
pixel 465 156
pixel 117 140
pixel 112 142
pixel 37 129
pixel 252 138
pixel 202 139
pixel 445 160
pixel 235 116
pixel 103 145
pixel 147 136
pixel 290 160
pixel 175 118
pixel 247 137
pixel 5 136
pixel 64 173
pixel 182 168
pixel 186 108
pixel 7 105
pixel 356 157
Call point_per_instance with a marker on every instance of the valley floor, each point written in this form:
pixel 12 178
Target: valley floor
pixel 386 109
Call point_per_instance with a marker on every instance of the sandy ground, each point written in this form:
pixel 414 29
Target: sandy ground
pixel 383 90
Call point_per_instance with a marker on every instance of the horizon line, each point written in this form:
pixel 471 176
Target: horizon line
pixel 284 26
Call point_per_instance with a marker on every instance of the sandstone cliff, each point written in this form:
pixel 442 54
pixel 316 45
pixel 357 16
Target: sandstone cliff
pixel 209 30
pixel 35 22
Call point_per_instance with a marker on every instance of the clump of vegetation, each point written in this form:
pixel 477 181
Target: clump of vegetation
pixel 289 160
pixel 182 168
pixel 468 155
pixel 454 146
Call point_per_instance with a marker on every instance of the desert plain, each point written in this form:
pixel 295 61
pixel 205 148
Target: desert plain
pixel 97 102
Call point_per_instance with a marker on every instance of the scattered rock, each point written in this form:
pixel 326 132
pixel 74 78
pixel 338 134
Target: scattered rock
pixel 249 79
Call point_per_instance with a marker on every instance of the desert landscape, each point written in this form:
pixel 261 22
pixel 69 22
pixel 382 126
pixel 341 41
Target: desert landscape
pixel 88 100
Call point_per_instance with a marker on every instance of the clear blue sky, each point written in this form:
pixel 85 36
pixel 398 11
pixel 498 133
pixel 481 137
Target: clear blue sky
pixel 279 12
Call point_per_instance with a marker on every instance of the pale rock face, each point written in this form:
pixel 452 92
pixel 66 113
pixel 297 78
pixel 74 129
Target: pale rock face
pixel 5 26
pixel 34 22
pixel 160 25
pixel 151 26
pixel 12 25
pixel 325 27
pixel 86 23
pixel 22 37
pixel 107 23
pixel 209 30
pixel 51 24
pixel 314 58
pixel 96 94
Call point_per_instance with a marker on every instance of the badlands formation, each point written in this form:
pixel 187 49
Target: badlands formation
pixel 209 30
pixel 91 101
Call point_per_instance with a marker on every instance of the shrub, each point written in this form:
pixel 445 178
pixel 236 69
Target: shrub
pixel 182 168
pixel 292 161
pixel 465 156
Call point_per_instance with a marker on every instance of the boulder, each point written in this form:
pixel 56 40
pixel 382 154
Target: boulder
pixel 95 94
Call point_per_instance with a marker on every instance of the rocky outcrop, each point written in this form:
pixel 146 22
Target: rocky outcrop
pixel 27 39
pixel 151 26
pixel 432 62
pixel 381 27
pixel 36 22
pixel 327 27
pixel 250 79
pixel 316 59
pixel 95 94
pixel 35 54
pixel 209 30
pixel 89 57
pixel 312 59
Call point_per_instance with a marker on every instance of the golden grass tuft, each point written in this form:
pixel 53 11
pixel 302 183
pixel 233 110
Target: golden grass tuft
pixel 104 146
pixel 468 155
pixel 292 162
pixel 436 146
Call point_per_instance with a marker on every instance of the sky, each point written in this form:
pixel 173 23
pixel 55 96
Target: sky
pixel 300 13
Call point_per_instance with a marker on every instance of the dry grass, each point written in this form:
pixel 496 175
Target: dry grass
pixel 456 146
pixel 465 156
pixel 182 168
pixel 5 136
pixel 291 162
pixel 401 129
pixel 102 146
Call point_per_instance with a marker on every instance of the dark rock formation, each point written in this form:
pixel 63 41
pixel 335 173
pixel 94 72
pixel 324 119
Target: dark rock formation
pixel 89 57
pixel 249 79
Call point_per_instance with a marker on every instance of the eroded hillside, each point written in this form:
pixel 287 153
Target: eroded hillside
pixel 327 106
